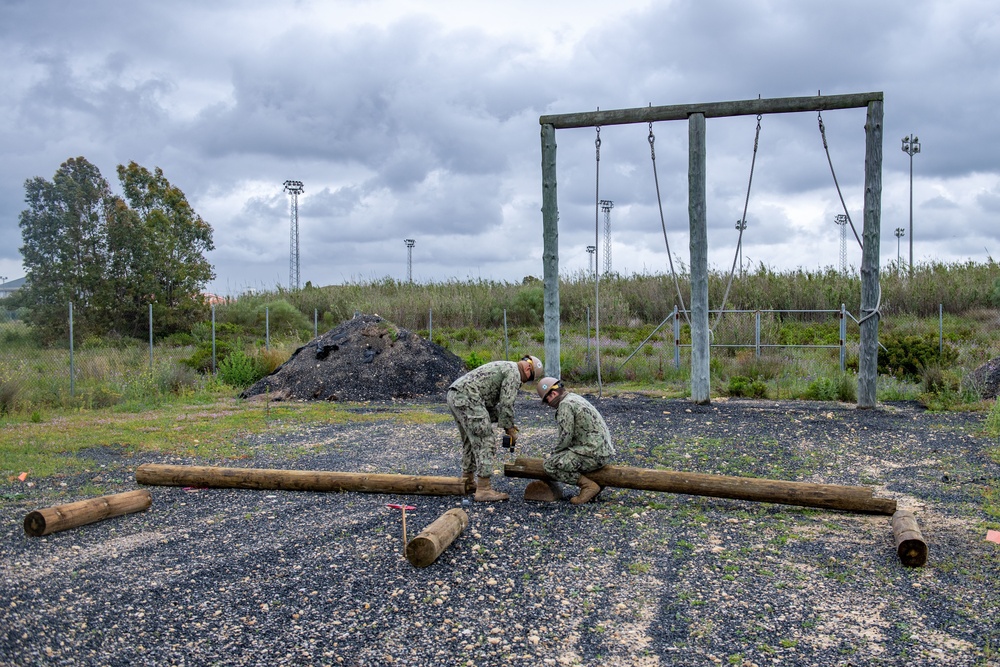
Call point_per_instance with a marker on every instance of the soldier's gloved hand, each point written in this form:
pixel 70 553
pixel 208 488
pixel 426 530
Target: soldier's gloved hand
pixel 512 432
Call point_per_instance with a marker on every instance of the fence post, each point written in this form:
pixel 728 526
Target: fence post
pixel 588 335
pixel 430 324
pixel 213 339
pixel 72 368
pixel 506 343
pixel 315 322
pixel 843 337
pixel 677 338
pixel 267 328
pixel 756 338
pixel 150 338
pixel 940 330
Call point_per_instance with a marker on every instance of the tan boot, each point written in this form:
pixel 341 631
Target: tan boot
pixel 470 482
pixel 588 489
pixel 485 492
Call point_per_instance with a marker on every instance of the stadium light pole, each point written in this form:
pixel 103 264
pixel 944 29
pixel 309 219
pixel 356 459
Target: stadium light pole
pixel 409 258
pixel 899 234
pixel 591 250
pixel 911 146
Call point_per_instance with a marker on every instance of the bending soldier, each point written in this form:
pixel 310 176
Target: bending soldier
pixel 477 400
pixel 584 439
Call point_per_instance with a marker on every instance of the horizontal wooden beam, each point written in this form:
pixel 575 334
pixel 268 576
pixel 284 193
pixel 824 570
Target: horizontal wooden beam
pixel 297 480
pixel 653 114
pixel 804 494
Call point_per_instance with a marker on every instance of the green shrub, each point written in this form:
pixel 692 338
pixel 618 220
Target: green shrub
pixel 239 369
pixel 740 385
pixel 992 424
pixel 906 356
pixel 8 396
pixel 475 360
pixel 201 359
pixel 841 388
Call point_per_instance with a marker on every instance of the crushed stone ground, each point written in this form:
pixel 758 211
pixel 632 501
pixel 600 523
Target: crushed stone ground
pixel 240 577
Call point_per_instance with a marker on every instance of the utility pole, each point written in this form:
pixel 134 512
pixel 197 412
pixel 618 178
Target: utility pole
pixel 606 206
pixel 841 220
pixel 899 233
pixel 294 188
pixel 591 250
pixel 911 146
pixel 409 258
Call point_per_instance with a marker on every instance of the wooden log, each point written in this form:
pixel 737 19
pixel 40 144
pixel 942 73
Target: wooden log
pixel 543 491
pixel 804 494
pixel 297 480
pixel 425 548
pixel 71 515
pixel 910 545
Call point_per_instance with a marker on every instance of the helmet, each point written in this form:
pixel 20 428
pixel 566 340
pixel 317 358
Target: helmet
pixel 535 364
pixel 545 385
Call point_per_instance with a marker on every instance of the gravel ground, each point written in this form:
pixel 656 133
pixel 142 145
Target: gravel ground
pixel 239 577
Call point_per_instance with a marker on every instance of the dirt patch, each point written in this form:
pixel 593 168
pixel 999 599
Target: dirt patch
pixel 365 358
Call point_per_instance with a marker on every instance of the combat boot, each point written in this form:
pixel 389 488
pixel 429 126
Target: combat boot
pixel 470 481
pixel 588 489
pixel 485 492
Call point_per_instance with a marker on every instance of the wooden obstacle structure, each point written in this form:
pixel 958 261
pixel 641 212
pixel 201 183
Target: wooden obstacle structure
pixel 63 517
pixel 425 548
pixel 804 494
pixel 297 480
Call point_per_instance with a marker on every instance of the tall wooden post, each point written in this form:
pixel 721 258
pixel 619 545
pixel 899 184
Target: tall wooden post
pixel 870 289
pixel 550 251
pixel 698 224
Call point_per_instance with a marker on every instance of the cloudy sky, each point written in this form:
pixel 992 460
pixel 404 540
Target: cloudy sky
pixel 407 119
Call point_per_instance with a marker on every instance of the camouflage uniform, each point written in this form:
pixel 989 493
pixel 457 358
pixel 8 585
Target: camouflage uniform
pixel 477 399
pixel 584 440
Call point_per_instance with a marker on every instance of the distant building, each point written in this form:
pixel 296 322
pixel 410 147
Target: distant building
pixel 10 286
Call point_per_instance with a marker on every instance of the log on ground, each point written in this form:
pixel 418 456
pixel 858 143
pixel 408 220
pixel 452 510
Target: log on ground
pixel 296 480
pixel 71 515
pixel 425 548
pixel 910 545
pixel 803 494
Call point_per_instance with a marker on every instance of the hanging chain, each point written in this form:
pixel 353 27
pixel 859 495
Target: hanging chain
pixel 597 143
pixel 826 147
pixel 652 140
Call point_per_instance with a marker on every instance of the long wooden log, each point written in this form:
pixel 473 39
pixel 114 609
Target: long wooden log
pixel 805 494
pixel 297 480
pixel 71 515
pixel 910 545
pixel 425 548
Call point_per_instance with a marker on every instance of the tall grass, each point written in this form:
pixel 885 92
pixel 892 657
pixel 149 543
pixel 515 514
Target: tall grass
pixel 469 318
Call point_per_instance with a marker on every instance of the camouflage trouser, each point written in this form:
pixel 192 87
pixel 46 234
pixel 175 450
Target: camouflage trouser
pixel 567 466
pixel 479 442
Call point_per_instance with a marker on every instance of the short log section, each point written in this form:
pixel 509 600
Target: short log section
pixel 296 480
pixel 425 548
pixel 72 515
pixel 804 494
pixel 910 545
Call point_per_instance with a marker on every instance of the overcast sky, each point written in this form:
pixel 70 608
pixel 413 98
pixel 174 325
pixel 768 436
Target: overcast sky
pixel 408 119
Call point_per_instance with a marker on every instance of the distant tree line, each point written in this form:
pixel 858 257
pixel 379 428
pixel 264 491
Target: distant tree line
pixel 111 257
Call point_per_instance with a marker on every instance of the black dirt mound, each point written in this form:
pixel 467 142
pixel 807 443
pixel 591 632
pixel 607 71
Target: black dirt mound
pixel 365 358
pixel 985 380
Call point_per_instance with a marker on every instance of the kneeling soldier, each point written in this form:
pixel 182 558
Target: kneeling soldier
pixel 584 440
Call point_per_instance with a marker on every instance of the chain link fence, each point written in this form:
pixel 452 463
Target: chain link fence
pixel 100 371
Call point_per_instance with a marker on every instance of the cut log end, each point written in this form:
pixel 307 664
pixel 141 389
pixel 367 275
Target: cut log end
pixel 543 491
pixel 425 548
pixel 910 545
pixel 34 524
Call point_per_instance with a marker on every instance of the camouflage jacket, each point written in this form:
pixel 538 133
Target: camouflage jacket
pixel 495 386
pixel 582 428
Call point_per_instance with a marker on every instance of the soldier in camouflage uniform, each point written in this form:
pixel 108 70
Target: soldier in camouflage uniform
pixel 584 439
pixel 477 400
